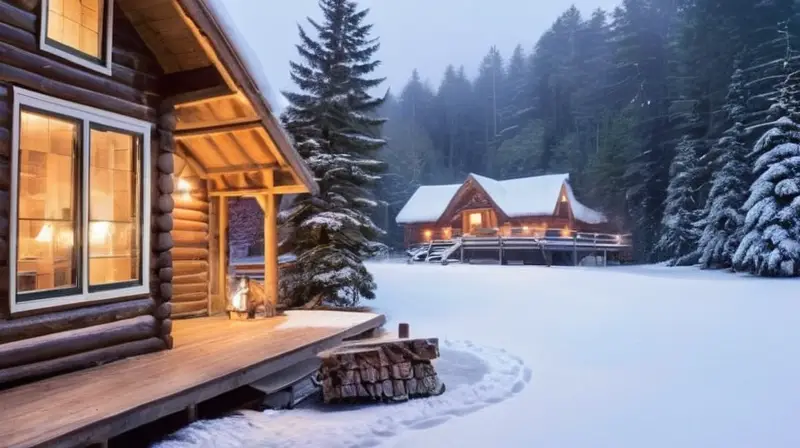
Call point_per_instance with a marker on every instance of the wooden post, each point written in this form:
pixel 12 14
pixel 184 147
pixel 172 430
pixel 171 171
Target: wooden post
pixel 222 268
pixel 500 243
pixel 605 258
pixel 191 413
pixel 403 331
pixel 462 250
pixel 271 248
pixel 575 249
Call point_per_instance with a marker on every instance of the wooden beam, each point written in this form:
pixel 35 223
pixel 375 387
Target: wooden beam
pixel 290 189
pixel 196 166
pixel 210 99
pixel 239 192
pixel 221 129
pixel 271 248
pixel 191 85
pixel 222 268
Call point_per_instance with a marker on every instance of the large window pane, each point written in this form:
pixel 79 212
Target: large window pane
pixel 114 194
pixel 77 24
pixel 47 253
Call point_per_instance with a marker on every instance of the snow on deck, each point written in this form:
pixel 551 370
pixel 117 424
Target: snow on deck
pixel 625 357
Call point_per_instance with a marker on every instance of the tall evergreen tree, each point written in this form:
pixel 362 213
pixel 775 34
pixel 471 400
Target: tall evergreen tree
pixel 771 243
pixel 678 235
pixel 331 119
pixel 723 220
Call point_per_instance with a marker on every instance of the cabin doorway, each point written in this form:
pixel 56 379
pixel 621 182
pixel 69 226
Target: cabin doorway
pixel 475 221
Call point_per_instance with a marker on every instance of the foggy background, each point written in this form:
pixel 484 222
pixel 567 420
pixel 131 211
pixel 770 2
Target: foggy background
pixel 423 34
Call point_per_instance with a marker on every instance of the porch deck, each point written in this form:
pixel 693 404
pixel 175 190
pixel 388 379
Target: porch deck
pixel 211 356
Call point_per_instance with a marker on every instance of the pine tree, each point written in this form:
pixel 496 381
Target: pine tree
pixel 679 235
pixel 332 121
pixel 723 219
pixel 771 243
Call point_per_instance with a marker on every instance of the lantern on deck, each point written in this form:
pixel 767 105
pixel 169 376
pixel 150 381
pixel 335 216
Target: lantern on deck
pixel 247 299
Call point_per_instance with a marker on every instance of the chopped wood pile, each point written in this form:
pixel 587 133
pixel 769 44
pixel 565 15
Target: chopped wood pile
pixel 380 370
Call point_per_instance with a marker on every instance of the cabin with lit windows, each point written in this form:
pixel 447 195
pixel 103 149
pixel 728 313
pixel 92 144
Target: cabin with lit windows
pixel 125 127
pixel 484 207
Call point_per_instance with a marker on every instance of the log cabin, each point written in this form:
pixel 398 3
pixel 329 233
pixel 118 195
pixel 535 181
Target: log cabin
pixel 480 206
pixel 125 127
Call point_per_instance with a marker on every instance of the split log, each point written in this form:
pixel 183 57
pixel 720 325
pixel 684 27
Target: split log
pixel 163 260
pixel 166 184
pixel 81 360
pixel 164 223
pixel 380 370
pixel 189 288
pixel 190 215
pixel 195 202
pixel 57 345
pixel 189 253
pixel 35 326
pixel 190 297
pixel 163 311
pixel 166 163
pixel 190 239
pixel 185 279
pixel 163 242
pixel 165 275
pixel 165 203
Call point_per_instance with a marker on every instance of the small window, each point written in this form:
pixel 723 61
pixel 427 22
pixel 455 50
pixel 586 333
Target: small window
pixel 78 204
pixel 79 31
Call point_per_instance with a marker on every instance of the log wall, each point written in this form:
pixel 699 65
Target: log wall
pixel 47 342
pixel 191 252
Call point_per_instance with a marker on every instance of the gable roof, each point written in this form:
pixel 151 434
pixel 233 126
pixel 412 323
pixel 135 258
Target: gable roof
pixel 528 196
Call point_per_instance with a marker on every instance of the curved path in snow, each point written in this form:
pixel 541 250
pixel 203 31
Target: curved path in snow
pixel 475 376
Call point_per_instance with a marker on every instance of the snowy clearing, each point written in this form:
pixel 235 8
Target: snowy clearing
pixel 570 357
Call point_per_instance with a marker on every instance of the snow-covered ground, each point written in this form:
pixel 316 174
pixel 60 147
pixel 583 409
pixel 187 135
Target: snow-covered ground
pixel 571 357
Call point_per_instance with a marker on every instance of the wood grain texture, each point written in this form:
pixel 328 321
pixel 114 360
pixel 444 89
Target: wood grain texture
pixel 70 342
pixel 34 326
pixel 215 355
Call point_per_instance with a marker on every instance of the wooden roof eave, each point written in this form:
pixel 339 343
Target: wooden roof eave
pixel 448 211
pixel 200 13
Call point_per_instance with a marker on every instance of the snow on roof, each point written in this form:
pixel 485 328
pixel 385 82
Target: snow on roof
pixel 427 204
pixel 528 196
pixel 250 59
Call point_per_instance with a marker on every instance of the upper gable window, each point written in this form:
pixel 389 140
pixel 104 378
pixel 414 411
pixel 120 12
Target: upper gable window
pixel 79 31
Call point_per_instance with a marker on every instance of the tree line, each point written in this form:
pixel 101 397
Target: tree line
pixel 653 108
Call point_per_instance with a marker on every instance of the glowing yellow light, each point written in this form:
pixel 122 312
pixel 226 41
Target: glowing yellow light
pixel 428 234
pixel 446 231
pixel 563 198
pixel 185 188
pixel 46 234
pixel 525 229
pixel 565 232
pixel 99 231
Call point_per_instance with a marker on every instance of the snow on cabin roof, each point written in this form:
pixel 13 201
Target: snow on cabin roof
pixel 427 204
pixel 528 196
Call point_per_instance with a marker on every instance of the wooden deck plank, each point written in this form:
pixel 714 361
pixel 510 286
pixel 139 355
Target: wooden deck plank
pixel 211 356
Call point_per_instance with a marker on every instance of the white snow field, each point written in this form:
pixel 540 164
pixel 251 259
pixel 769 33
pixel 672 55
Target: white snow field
pixel 570 357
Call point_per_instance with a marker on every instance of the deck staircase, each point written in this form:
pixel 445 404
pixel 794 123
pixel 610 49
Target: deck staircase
pixel 437 251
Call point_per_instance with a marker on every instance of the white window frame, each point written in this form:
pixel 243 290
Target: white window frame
pixel 87 116
pixel 103 66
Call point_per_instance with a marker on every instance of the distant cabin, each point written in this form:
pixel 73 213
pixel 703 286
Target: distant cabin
pixel 481 206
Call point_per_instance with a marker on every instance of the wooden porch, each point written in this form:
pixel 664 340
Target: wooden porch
pixel 211 356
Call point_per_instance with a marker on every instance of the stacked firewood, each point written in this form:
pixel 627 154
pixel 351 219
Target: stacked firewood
pixel 380 370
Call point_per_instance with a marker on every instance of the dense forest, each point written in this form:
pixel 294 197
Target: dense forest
pixel 662 111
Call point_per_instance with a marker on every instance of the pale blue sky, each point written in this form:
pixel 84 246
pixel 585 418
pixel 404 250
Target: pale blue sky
pixel 422 34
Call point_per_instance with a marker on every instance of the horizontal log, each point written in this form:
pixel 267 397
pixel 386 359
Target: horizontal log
pixel 81 360
pixel 165 275
pixel 35 326
pixel 166 183
pixel 165 291
pixel 165 203
pixel 166 327
pixel 163 222
pixel 180 309
pixel 166 163
pixel 190 297
pixel 189 215
pixel 191 226
pixel 189 267
pixel 190 278
pixel 53 69
pixel 16 16
pixel 5 142
pixel 163 242
pixel 72 93
pixel 162 260
pixel 200 205
pixel 27 5
pixel 185 238
pixel 57 345
pixel 189 288
pixel 189 253
pixel 164 311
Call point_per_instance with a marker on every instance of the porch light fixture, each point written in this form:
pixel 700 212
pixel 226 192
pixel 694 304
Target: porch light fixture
pixel 428 234
pixel 565 232
pixel 184 188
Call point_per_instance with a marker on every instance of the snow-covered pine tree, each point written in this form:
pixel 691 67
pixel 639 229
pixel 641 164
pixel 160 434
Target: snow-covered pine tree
pixel 722 216
pixel 678 240
pixel 771 243
pixel 332 119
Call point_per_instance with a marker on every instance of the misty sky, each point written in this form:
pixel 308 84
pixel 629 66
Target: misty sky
pixel 423 34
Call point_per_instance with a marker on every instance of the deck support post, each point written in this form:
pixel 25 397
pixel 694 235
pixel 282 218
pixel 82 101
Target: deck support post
pixel 462 250
pixel 191 413
pixel 271 248
pixel 575 249
pixel 222 279
pixel 605 258
pixel 500 244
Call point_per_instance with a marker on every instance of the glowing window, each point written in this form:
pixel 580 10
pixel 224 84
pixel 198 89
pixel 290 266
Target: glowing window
pixel 475 219
pixel 79 31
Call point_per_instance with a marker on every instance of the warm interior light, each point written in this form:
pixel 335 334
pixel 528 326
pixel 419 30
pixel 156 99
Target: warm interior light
pixel 446 231
pixel 525 229
pixel 428 234
pixel 65 238
pixel 565 231
pixel 563 198
pixel 475 219
pixel 184 188
pixel 99 231
pixel 46 234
